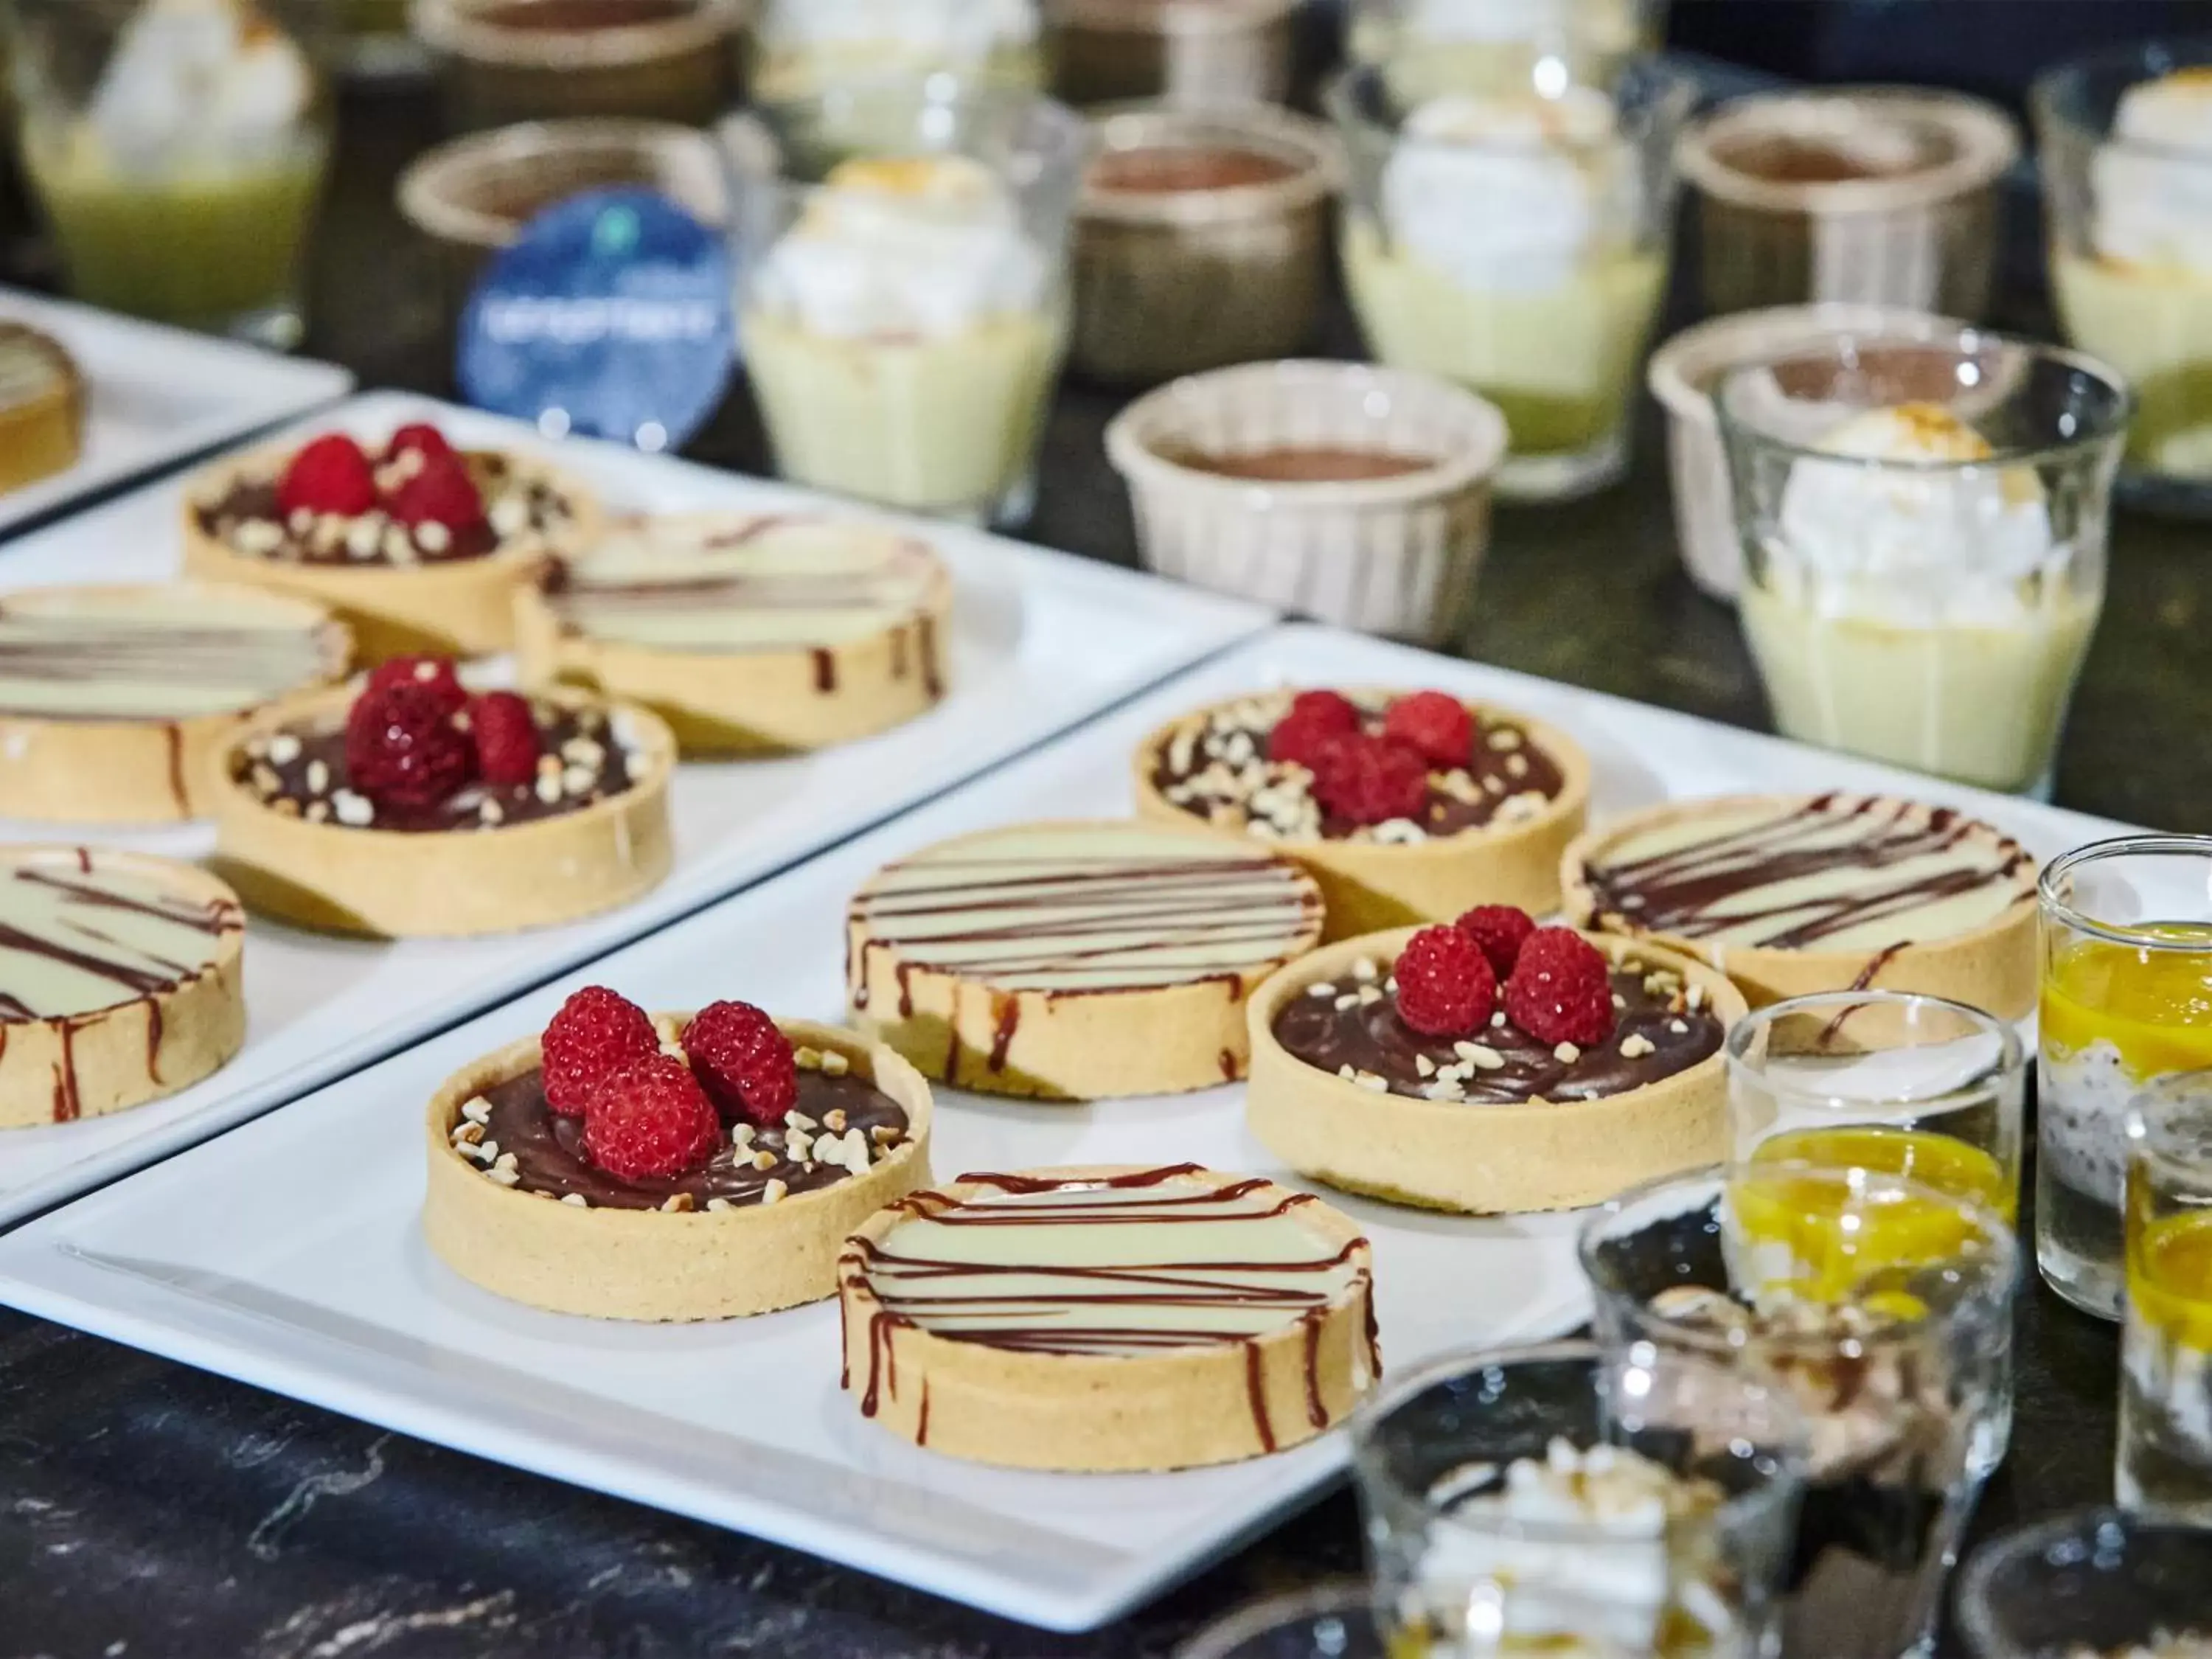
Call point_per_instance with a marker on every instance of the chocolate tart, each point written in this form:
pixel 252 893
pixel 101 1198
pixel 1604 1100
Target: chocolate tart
pixel 1792 893
pixel 121 982
pixel 1065 1372
pixel 748 634
pixel 1074 961
pixel 422 593
pixel 519 1210
pixel 299 845
pixel 113 701
pixel 1482 852
pixel 42 403
pixel 1504 1149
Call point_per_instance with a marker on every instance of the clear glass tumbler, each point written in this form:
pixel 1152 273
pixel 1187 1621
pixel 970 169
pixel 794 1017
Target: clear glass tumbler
pixel 1332 1621
pixel 1887 1081
pixel 2164 1456
pixel 1427 47
pixel 1885 1307
pixel 178 153
pixel 804 48
pixel 2094 1583
pixel 2127 1000
pixel 1631 1503
pixel 902 256
pixel 1515 243
pixel 1923 529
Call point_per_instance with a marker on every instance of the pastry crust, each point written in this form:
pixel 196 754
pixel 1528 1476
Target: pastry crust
pixel 1059 1046
pixel 42 435
pixel 1369 886
pixel 60 1069
pixel 1483 1159
pixel 658 1265
pixel 389 884
pixel 1174 1408
pixel 1993 966
pixel 450 608
pixel 97 770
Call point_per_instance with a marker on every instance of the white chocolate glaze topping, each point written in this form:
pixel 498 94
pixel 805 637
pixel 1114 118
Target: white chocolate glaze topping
pixel 83 931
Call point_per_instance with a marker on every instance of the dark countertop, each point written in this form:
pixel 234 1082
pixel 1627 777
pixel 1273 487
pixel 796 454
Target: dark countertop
pixel 150 1510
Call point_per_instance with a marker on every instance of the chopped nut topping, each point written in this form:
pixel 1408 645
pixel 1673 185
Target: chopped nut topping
pixel 1566 1054
pixel 773 1192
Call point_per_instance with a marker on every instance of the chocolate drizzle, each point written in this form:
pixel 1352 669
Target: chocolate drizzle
pixel 174 735
pixel 825 670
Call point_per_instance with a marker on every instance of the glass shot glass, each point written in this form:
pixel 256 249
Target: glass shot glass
pixel 1427 47
pixel 1887 1081
pixel 1631 1503
pixel 2127 1000
pixel 178 154
pixel 903 288
pixel 2164 1460
pixel 1330 1621
pixel 2089 1585
pixel 1885 1308
pixel 1923 529
pixel 1516 243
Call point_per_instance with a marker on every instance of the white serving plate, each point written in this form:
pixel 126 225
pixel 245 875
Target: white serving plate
pixel 287 1254
pixel 159 396
pixel 1039 641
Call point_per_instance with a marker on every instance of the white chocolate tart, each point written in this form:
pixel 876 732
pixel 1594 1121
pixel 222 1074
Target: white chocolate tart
pixel 1074 961
pixel 1490 831
pixel 514 1205
pixel 1500 1123
pixel 1790 895
pixel 119 981
pixel 1025 1320
pixel 113 701
pixel 748 634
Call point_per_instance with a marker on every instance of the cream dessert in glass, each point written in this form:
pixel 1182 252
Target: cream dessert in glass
pixel 1923 529
pixel 1428 48
pixel 903 295
pixel 1515 243
pixel 803 47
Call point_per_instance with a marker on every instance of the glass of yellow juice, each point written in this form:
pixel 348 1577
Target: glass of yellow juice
pixel 2164 1456
pixel 2127 1001
pixel 1885 1081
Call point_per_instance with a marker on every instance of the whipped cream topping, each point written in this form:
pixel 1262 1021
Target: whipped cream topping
pixel 1918 543
pixel 2154 209
pixel 904 247
pixel 951 32
pixel 199 77
pixel 1514 193
pixel 81 931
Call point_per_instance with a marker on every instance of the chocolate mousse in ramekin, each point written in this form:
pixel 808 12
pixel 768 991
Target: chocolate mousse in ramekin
pixel 1201 239
pixel 1353 493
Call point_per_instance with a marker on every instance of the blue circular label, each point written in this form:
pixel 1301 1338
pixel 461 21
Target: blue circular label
pixel 612 317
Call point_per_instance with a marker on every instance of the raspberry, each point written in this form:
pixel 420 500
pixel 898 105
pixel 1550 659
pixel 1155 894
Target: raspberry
pixel 442 493
pixel 1434 726
pixel 432 673
pixel 1501 930
pixel 1366 780
pixel 1445 988
pixel 651 1120
pixel 1561 990
pixel 594 1035
pixel 743 1060
pixel 423 439
pixel 330 475
pixel 1315 720
pixel 505 733
pixel 403 747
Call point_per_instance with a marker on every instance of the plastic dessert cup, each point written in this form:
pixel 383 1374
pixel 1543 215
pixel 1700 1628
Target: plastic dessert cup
pixel 502 61
pixel 2165 1458
pixel 1923 530
pixel 2093 1582
pixel 1548 323
pixel 1877 196
pixel 903 297
pixel 2127 977
pixel 1429 47
pixel 804 48
pixel 1210 54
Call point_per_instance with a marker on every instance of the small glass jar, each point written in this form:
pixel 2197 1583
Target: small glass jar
pixel 1428 48
pixel 1516 244
pixel 2164 1462
pixel 1330 1621
pixel 504 61
pixel 2094 1582
pixel 802 48
pixel 1209 53
pixel 1923 532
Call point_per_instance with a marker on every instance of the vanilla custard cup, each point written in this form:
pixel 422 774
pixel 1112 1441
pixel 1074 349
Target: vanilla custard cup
pixel 1426 48
pixel 903 288
pixel 2127 1002
pixel 805 47
pixel 1515 242
pixel 1923 529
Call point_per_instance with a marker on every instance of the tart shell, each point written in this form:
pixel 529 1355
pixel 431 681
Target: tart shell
pixel 1177 1408
pixel 656 1265
pixel 1994 966
pixel 43 435
pixel 1369 886
pixel 390 884
pixel 78 1066
pixel 1478 1158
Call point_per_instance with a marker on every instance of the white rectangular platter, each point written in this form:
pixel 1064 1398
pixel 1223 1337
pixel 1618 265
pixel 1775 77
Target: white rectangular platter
pixel 1039 641
pixel 287 1252
pixel 158 396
